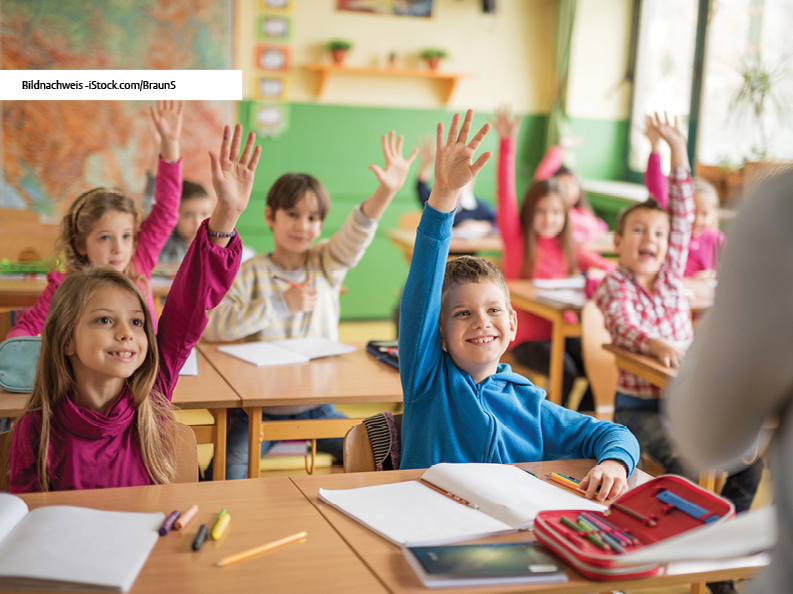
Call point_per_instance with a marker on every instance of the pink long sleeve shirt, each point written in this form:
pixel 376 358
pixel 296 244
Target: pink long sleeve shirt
pixel 153 234
pixel 90 450
pixel 550 261
pixel 704 249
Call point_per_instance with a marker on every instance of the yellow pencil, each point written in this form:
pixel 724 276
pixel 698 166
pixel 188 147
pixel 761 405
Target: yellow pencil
pixel 260 549
pixel 221 525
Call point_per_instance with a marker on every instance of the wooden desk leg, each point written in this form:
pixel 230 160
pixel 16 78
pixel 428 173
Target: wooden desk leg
pixel 698 589
pixel 556 371
pixel 219 465
pixel 707 480
pixel 254 439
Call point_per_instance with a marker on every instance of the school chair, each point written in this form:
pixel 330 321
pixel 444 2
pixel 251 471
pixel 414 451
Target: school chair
pixel 186 454
pixel 372 443
pixel 599 364
pixel 5 459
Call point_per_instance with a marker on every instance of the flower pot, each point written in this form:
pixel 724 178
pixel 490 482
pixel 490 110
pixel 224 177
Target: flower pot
pixel 433 62
pixel 338 55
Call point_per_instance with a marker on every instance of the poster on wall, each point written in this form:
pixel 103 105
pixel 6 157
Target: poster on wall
pixel 271 27
pixel 413 8
pixel 269 119
pixel 53 151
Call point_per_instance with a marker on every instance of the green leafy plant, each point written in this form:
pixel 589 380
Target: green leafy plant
pixel 759 89
pixel 338 45
pixel 429 53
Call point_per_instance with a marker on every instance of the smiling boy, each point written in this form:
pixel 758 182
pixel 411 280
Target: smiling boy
pixel 461 403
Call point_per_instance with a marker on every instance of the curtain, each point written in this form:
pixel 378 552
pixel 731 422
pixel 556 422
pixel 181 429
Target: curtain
pixel 557 118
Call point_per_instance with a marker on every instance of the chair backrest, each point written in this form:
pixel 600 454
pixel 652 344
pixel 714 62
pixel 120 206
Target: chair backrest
pixel 358 454
pixel 5 459
pixel 599 364
pixel 186 454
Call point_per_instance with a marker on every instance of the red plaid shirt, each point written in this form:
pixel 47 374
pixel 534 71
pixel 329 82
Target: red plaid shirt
pixel 636 317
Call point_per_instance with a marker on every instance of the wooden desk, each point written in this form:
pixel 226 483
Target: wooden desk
pixel 205 390
pixel 523 295
pixel 385 560
pixel 262 510
pixel 405 238
pixel 16 292
pixel 346 379
pixel 646 367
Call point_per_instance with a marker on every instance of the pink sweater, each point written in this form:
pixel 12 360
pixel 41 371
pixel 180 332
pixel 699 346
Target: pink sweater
pixel 90 450
pixel 584 225
pixel 703 250
pixel 154 233
pixel 550 261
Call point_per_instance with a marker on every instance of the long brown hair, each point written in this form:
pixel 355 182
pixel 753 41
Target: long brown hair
pixel 536 192
pixel 55 376
pixel 80 220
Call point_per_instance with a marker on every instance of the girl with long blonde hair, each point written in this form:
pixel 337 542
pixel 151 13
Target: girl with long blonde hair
pixel 99 415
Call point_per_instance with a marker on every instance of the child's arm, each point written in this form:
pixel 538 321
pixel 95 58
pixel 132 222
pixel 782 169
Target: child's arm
pixel 347 246
pixel 568 434
pixel 23 459
pixel 151 172
pixel 681 196
pixel 213 259
pixel 550 164
pixel 31 323
pixel 654 178
pixel 419 335
pixel 156 229
pixel 507 215
pixel 586 260
pixel 427 157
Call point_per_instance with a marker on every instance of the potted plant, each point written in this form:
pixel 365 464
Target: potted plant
pixel 338 49
pixel 433 57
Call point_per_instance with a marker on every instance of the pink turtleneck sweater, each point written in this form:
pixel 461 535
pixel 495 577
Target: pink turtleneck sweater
pixel 91 450
pixel 550 261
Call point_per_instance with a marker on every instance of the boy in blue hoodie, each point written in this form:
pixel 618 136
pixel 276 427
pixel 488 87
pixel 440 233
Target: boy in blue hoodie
pixel 461 403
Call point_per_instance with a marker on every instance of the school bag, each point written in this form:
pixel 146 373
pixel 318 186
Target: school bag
pixel 19 358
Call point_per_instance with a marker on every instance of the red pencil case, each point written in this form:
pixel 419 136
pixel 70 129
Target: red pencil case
pixel 669 501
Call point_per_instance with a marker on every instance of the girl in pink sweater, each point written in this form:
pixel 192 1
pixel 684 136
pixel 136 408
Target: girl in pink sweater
pixel 99 415
pixel 538 244
pixel 103 226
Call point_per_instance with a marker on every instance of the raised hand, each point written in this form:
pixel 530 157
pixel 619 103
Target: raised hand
pixel 427 157
pixel 453 166
pixel 167 119
pixel 232 178
pixel 392 178
pixel 506 126
pixel 651 132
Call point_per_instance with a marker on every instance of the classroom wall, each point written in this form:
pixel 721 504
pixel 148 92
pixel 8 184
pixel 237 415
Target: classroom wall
pixel 510 54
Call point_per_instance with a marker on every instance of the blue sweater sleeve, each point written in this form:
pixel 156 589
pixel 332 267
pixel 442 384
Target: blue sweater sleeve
pixel 567 434
pixel 420 353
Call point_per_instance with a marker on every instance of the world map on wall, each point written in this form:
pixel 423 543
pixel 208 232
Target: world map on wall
pixel 52 151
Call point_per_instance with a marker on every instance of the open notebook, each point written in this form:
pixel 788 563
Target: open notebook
pixel 286 352
pixel 410 513
pixel 72 548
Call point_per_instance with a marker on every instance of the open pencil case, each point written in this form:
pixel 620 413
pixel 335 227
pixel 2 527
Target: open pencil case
pixel 674 504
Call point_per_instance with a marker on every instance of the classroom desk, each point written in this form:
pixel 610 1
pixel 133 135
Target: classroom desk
pixel 405 238
pixel 23 292
pixel 646 367
pixel 523 295
pixel 205 390
pixel 345 379
pixel 261 511
pixel 385 560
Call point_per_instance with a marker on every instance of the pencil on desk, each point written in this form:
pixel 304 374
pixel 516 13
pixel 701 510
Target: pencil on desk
pixel 567 482
pixel 260 549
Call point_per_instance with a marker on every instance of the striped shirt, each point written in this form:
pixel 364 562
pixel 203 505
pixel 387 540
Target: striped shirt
pixel 635 317
pixel 255 306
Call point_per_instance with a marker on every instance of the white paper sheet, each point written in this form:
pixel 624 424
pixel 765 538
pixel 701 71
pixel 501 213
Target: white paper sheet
pixel 190 366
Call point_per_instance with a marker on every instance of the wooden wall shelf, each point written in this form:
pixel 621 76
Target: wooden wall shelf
pixel 324 71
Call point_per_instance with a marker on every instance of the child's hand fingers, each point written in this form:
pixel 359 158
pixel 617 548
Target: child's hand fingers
pixel 224 145
pixel 450 139
pixel 400 142
pixel 606 483
pixel 246 152
pixel 592 479
pixel 236 140
pixel 180 108
pixel 384 142
pixel 480 162
pixel 412 156
pixel 377 171
pixel 480 136
pixel 254 162
pixel 214 163
pixel 466 128
pixel 439 136
pixel 155 118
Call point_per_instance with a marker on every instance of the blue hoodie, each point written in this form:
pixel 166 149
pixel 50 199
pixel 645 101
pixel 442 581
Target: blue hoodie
pixel 503 419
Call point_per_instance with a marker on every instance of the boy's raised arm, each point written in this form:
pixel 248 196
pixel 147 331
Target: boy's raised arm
pixel 391 179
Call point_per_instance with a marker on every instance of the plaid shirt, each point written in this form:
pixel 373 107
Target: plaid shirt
pixel 635 317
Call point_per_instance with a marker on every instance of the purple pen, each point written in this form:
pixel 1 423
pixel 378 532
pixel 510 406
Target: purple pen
pixel 610 529
pixel 168 523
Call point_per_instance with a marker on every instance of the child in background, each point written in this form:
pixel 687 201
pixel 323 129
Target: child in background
pixel 584 225
pixel 100 413
pixel 103 226
pixel 707 240
pixel 538 244
pixel 461 404
pixel 645 311
pixel 293 292
pixel 195 206
pixel 472 215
